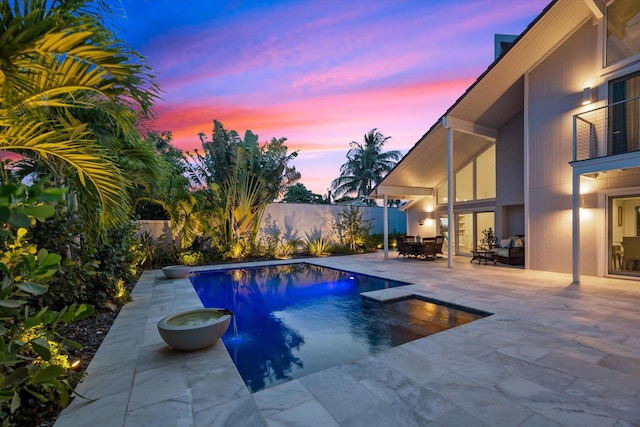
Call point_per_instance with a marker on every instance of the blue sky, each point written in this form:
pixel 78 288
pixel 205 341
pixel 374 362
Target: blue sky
pixel 321 73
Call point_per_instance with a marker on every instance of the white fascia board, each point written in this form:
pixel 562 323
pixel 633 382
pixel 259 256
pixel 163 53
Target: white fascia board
pixel 595 8
pixel 603 164
pixel 465 126
pixel 400 192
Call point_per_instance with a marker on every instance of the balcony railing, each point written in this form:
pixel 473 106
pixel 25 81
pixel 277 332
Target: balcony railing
pixel 607 131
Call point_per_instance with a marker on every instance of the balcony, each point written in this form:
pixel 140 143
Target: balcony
pixel 607 131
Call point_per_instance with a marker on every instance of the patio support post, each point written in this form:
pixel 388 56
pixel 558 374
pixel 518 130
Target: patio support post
pixel 575 218
pixel 451 223
pixel 385 227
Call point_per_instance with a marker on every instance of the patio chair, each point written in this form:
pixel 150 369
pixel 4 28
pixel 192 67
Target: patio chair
pixel 428 250
pixel 404 248
pixel 438 245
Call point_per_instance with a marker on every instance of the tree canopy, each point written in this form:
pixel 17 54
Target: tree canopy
pixel 365 167
pixel 234 180
pixel 71 94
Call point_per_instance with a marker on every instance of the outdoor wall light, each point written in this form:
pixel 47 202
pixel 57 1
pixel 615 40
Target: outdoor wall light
pixel 587 96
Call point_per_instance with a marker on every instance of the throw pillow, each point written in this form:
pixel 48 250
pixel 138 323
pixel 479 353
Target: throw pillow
pixel 518 243
pixel 505 243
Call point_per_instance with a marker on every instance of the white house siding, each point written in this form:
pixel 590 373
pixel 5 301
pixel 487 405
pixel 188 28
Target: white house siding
pixel 555 95
pixel 510 178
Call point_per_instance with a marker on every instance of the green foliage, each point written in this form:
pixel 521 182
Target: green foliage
pixel 353 228
pixel 376 241
pixel 91 271
pixel 153 252
pixel 298 193
pixel 70 95
pixel 318 247
pixel 234 180
pixel 191 258
pixel 365 167
pixel 488 239
pixel 32 366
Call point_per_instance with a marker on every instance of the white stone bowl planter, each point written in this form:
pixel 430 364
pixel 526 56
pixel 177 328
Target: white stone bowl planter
pixel 176 271
pixel 194 329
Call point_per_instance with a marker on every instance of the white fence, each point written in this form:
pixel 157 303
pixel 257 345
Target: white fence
pixel 302 221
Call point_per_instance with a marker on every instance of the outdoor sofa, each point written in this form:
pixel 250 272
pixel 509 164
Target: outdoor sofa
pixel 510 250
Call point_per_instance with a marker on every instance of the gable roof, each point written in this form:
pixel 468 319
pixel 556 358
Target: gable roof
pixel 492 100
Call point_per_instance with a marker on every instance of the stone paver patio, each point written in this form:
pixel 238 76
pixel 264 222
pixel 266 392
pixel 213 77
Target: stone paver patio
pixel 553 354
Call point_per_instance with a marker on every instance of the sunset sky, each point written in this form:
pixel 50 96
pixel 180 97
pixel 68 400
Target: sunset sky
pixel 320 73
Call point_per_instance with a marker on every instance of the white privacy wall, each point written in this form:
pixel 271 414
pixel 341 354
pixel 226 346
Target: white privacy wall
pixel 301 221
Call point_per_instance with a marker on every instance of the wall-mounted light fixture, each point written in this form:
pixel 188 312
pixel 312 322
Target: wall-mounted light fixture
pixel 587 96
pixel 430 215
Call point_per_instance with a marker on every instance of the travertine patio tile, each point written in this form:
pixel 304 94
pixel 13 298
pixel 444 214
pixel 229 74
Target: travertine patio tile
pixel 411 364
pixel 281 397
pixel 157 414
pixel 383 415
pixel 486 403
pixel 544 376
pixel 214 387
pixel 157 385
pixel 340 395
pixel 308 414
pixel 240 412
pixel 107 411
pixel 613 402
pixel 592 372
pixel 456 417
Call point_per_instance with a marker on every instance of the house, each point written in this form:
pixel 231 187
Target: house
pixel 544 144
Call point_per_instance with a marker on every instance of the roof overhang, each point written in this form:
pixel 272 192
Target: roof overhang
pixel 491 101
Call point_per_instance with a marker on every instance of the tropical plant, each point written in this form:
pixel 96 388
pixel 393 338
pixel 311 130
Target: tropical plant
pixel 235 179
pixel 488 239
pixel 70 93
pixel 32 362
pixel 352 228
pixel 365 167
pixel 318 246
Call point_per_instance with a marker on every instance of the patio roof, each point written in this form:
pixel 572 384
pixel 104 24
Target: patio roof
pixel 490 102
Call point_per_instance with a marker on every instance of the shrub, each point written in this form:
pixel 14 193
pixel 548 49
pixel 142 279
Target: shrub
pixel 318 247
pixel 33 367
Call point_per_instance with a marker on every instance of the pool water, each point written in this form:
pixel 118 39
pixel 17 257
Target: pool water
pixel 295 319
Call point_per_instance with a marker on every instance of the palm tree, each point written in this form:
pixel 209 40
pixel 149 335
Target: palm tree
pixel 365 167
pixel 69 89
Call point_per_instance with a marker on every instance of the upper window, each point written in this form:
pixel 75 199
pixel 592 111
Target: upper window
pixel 464 184
pixel 623 30
pixel 442 193
pixel 486 174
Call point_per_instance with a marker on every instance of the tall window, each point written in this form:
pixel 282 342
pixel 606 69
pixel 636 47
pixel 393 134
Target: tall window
pixel 464 184
pixel 486 174
pixel 623 30
pixel 442 192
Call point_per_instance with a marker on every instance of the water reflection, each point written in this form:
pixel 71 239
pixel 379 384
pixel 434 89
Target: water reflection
pixel 292 320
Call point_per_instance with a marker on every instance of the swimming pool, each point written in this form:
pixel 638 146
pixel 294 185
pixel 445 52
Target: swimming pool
pixel 295 319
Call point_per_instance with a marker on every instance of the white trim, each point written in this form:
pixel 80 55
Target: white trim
pixel 527 227
pixel 594 8
pixel 451 187
pixel 472 128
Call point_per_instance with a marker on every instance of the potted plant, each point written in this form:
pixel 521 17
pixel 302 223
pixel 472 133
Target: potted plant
pixel 488 239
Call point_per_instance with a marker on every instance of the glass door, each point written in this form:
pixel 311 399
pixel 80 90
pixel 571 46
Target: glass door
pixel 624 235
pixel 470 227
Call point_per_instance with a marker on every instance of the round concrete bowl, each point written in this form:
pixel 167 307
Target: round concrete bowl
pixel 176 271
pixel 194 329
